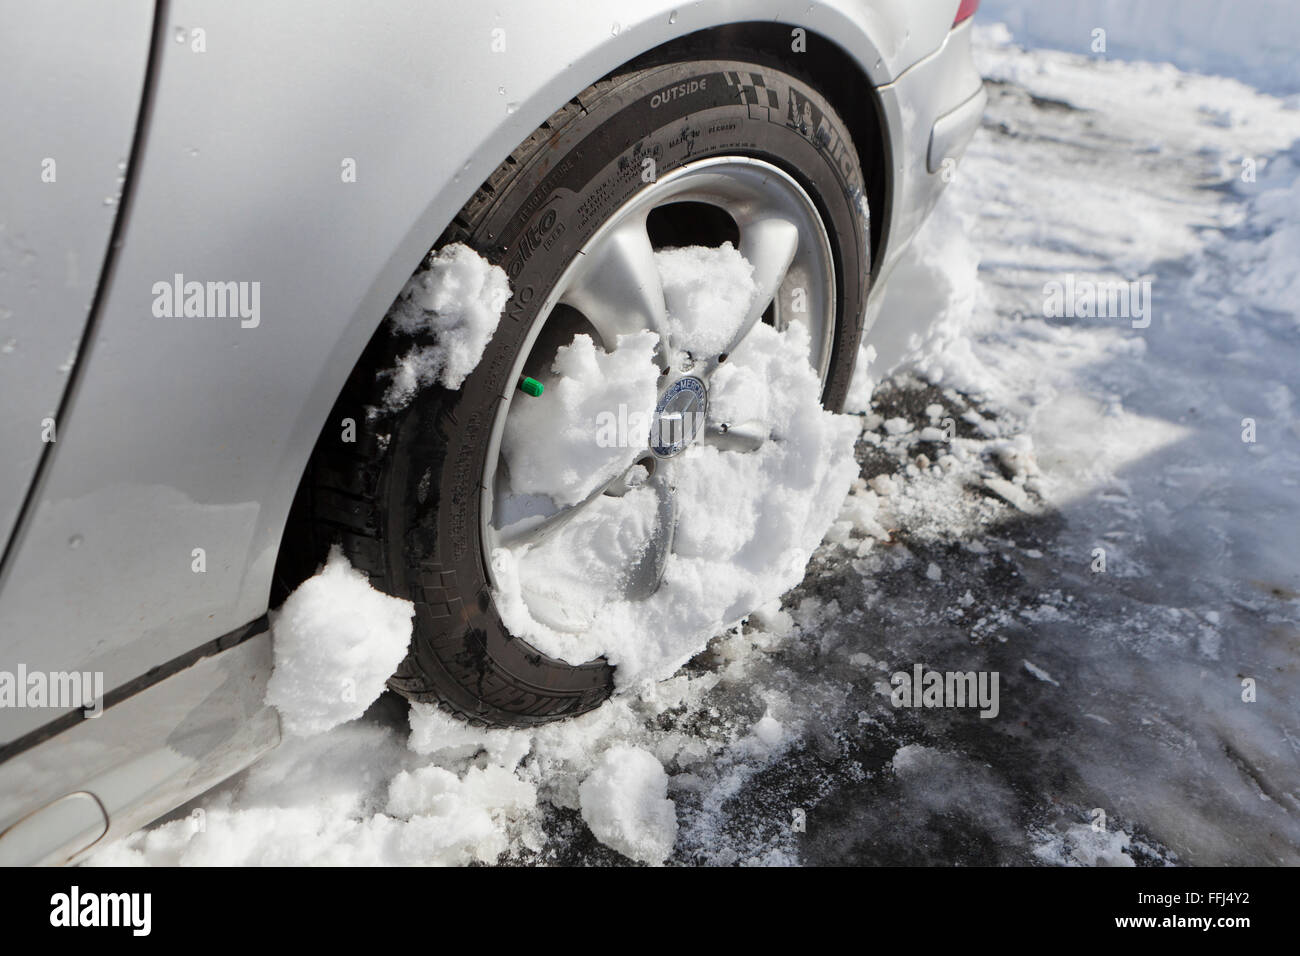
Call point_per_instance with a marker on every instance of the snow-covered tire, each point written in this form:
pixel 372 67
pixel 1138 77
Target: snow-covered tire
pixel 404 499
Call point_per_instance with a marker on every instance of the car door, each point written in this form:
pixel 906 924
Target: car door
pixel 72 74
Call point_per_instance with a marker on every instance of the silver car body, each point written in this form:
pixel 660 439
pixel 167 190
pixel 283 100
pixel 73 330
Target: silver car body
pixel 141 541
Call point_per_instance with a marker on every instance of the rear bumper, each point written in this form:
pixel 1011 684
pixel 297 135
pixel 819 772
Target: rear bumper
pixel 931 111
pixel 953 130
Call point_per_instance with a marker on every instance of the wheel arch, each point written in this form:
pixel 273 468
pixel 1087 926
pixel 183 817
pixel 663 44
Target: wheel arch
pixel 830 69
pixel 826 65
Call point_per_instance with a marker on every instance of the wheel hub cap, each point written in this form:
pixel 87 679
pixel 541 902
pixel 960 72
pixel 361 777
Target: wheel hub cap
pixel 679 417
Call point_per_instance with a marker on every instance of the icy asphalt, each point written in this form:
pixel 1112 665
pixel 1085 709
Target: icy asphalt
pixel 1123 736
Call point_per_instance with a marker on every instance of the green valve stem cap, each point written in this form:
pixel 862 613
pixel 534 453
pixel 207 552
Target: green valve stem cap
pixel 530 386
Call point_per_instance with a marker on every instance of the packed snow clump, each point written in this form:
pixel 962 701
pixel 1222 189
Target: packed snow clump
pixel 746 520
pixel 1265 262
pixel 466 818
pixel 936 277
pixel 337 641
pixel 456 298
pixel 611 395
pixel 351 797
pixel 625 803
pixel 548 444
pixel 701 288
pixel 1082 845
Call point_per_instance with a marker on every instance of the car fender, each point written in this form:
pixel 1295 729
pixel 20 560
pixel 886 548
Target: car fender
pixel 313 153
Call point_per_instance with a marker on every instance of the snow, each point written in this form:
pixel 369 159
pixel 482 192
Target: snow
pixel 336 641
pixel 1082 845
pixel 1127 439
pixel 560 445
pixel 1255 40
pixel 328 801
pixel 769 732
pixel 1268 278
pixel 747 522
pixel 702 287
pixel 461 816
pixel 1040 673
pixel 455 299
pixel 935 279
pixel 625 803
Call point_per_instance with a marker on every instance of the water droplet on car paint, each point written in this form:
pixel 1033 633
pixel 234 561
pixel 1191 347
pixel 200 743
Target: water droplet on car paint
pixel 501 91
pixel 75 541
pixel 9 346
pixel 672 17
pixel 110 200
pixel 511 107
pixel 180 34
pixel 613 31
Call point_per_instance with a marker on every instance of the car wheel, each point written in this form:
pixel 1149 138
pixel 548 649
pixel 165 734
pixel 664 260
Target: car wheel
pixel 688 152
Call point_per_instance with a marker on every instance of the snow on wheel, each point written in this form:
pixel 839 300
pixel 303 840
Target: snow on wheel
pixel 646 451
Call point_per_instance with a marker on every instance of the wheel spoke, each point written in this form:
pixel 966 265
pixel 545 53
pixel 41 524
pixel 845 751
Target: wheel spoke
pixel 619 290
pixel 534 530
pixel 644 578
pixel 769 244
pixel 743 436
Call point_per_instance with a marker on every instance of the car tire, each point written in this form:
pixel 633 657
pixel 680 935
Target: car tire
pixel 404 498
